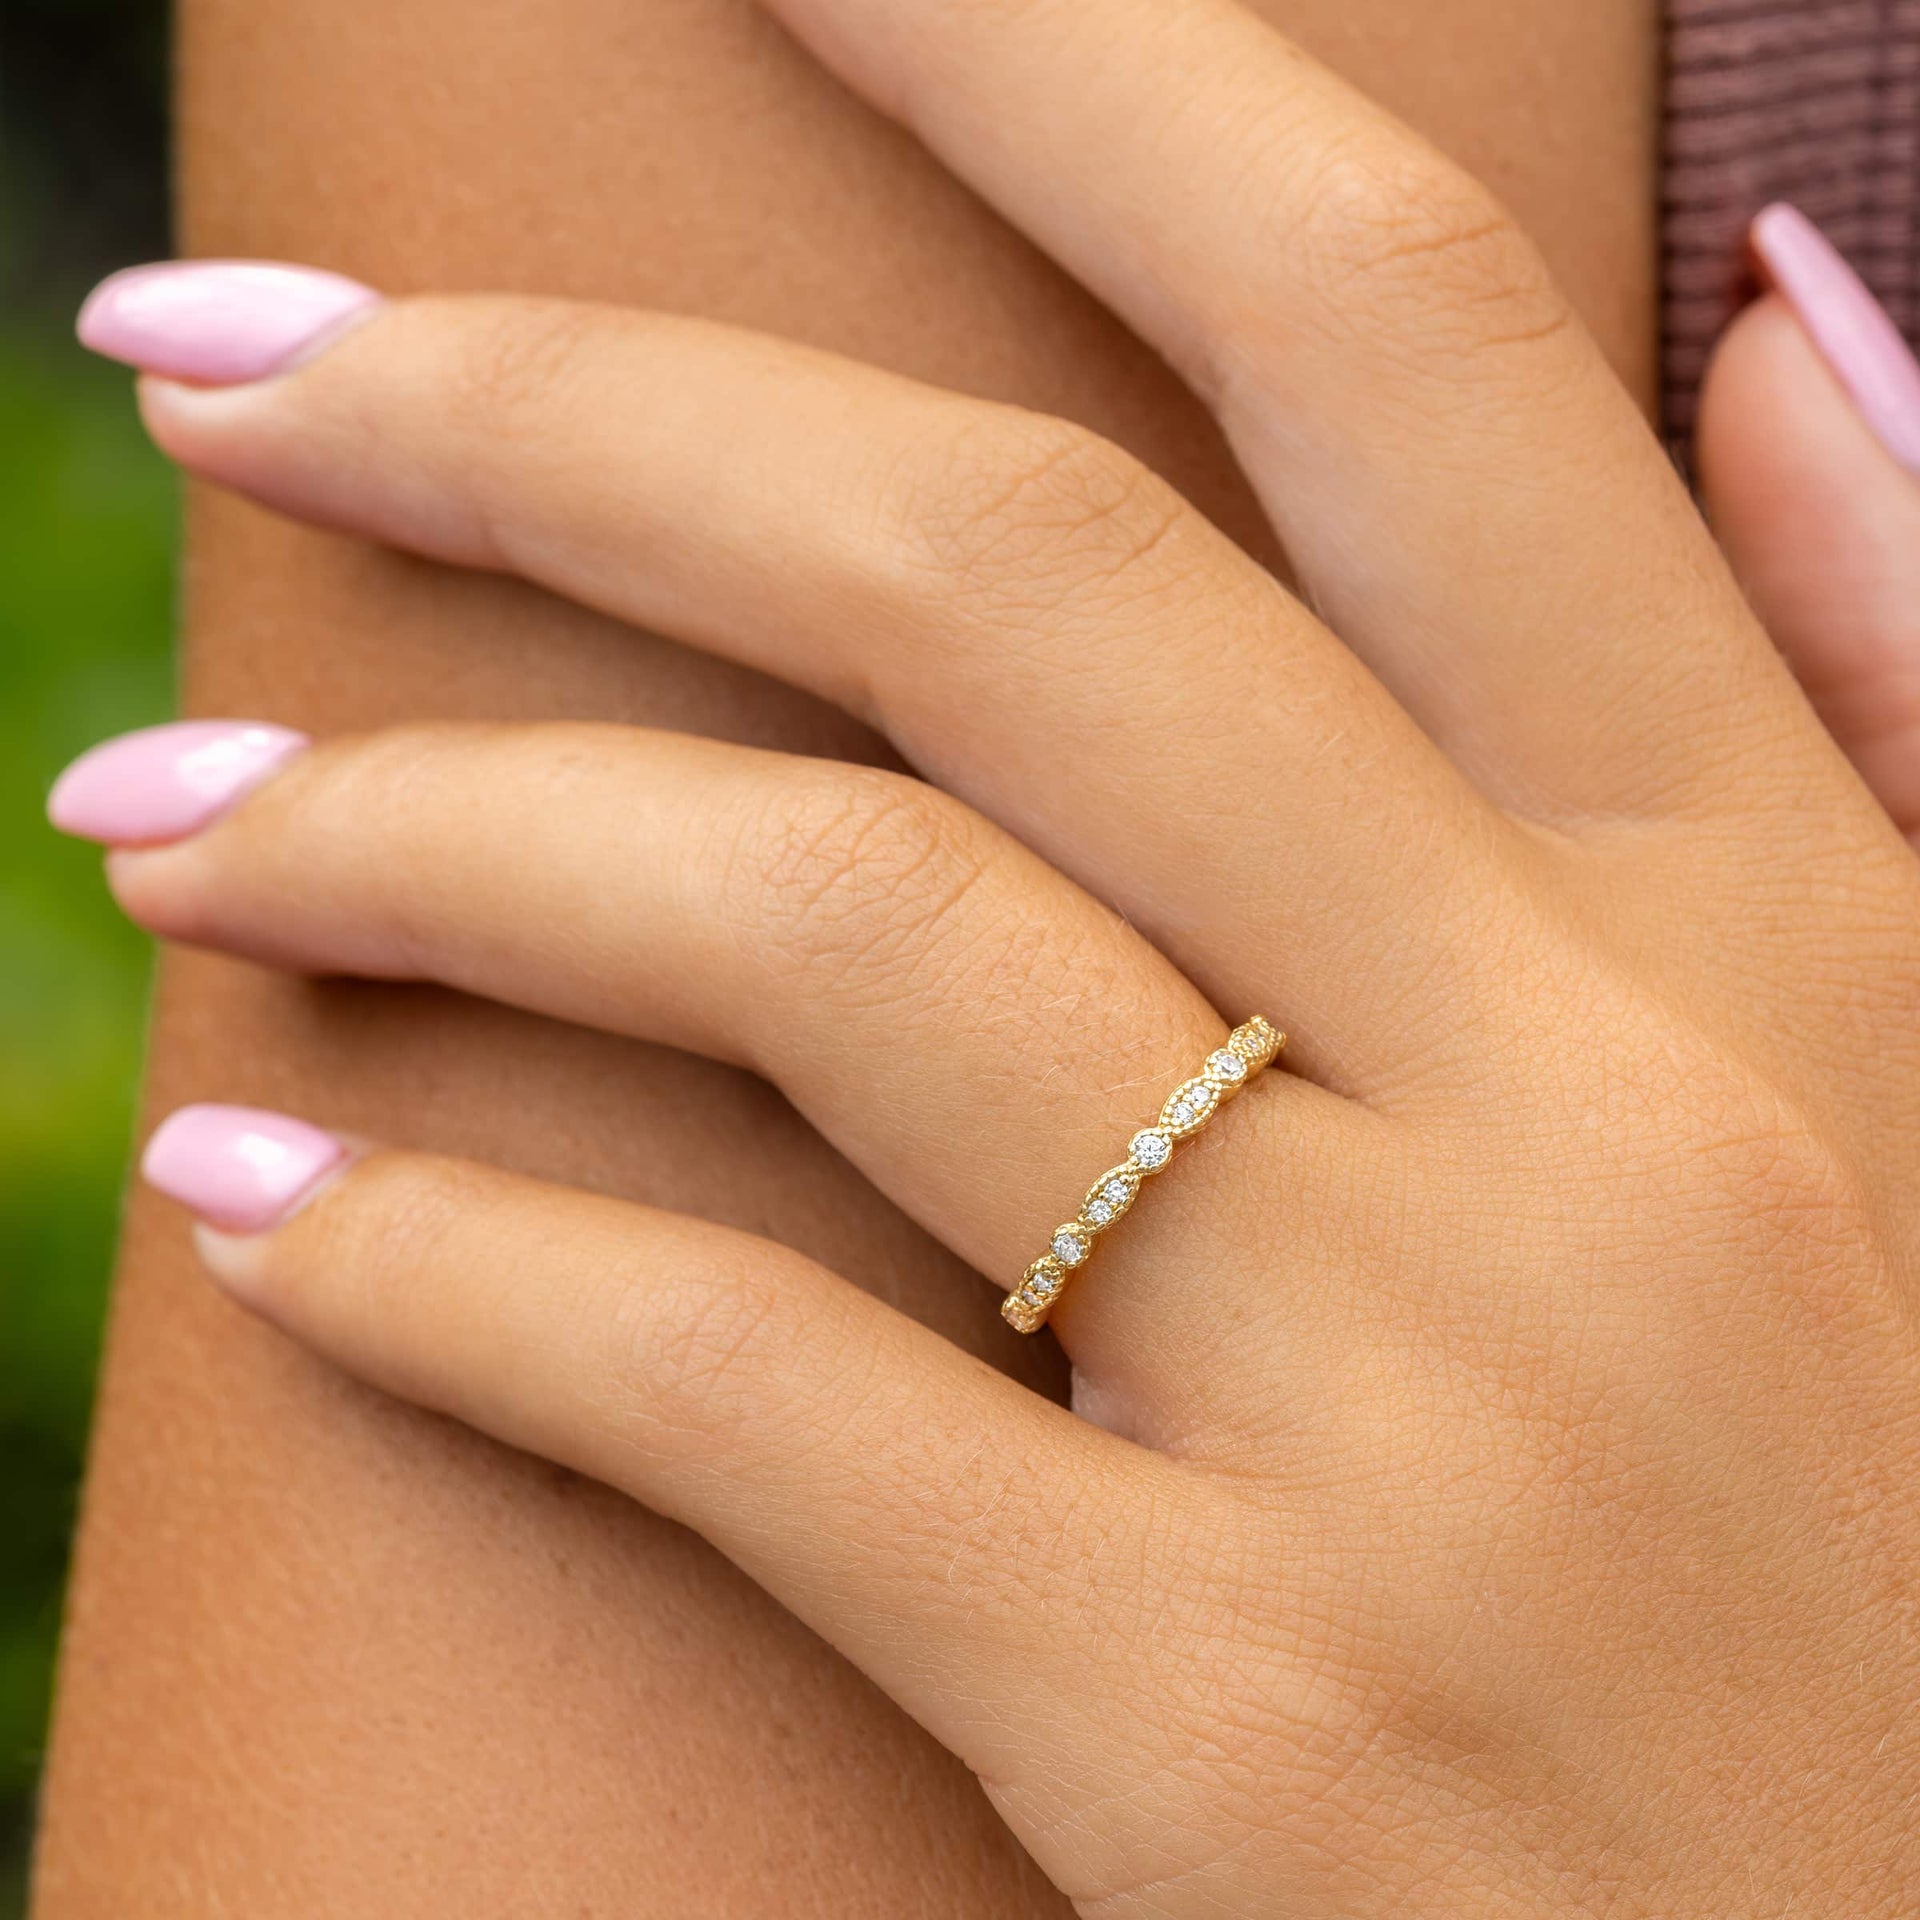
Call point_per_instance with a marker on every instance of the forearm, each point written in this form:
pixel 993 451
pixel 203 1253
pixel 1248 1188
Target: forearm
pixel 328 1655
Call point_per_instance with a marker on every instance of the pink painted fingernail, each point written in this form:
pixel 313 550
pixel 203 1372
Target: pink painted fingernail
pixel 239 1168
pixel 1851 328
pixel 220 322
pixel 165 783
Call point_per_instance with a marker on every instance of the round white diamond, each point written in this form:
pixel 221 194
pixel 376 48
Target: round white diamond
pixel 1227 1065
pixel 1152 1148
pixel 1118 1192
pixel 1182 1115
pixel 1045 1285
pixel 1068 1248
pixel 1099 1213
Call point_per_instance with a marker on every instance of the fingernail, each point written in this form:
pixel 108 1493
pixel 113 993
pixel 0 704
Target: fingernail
pixel 238 1168
pixel 165 783
pixel 220 322
pixel 1854 333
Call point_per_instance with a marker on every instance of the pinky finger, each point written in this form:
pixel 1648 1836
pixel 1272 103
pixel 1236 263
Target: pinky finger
pixel 1809 456
pixel 922 1512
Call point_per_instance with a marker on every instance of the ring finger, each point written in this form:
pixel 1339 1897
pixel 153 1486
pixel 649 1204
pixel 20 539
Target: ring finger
pixel 975 1032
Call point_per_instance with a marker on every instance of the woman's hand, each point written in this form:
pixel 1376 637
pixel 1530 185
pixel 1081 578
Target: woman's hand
pixel 1499 1490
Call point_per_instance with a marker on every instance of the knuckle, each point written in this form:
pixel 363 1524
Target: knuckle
pixel 374 777
pixel 1718 1151
pixel 521 364
pixel 378 815
pixel 517 358
pixel 1025 508
pixel 860 874
pixel 689 1353
pixel 1773 1174
pixel 1401 236
pixel 397 1217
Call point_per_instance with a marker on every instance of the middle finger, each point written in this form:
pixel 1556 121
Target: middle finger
pixel 1040 624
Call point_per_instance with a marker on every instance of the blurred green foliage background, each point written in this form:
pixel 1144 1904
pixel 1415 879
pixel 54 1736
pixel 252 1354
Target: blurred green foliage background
pixel 86 582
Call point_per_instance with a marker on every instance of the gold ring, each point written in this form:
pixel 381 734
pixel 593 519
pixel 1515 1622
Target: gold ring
pixel 1189 1107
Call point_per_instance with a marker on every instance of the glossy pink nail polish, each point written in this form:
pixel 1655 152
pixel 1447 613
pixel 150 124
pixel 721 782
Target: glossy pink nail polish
pixel 165 783
pixel 1853 331
pixel 220 322
pixel 239 1168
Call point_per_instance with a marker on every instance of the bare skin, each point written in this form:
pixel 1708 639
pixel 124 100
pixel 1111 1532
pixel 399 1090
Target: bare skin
pixel 331 1655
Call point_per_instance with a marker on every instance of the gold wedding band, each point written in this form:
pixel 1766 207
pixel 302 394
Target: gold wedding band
pixel 1189 1107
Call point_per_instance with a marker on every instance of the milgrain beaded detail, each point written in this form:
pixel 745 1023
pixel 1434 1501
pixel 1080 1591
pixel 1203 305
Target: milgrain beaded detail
pixel 1189 1107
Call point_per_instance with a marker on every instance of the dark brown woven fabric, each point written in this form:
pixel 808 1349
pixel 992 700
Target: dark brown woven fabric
pixel 1812 101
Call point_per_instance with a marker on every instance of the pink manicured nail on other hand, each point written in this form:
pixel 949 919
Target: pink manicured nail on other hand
pixel 240 1169
pixel 165 783
pixel 1853 331
pixel 220 322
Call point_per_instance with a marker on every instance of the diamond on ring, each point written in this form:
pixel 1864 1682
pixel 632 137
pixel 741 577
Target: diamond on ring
pixel 1068 1248
pixel 1152 1149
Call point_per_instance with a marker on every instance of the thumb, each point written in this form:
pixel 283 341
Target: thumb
pixel 1809 459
